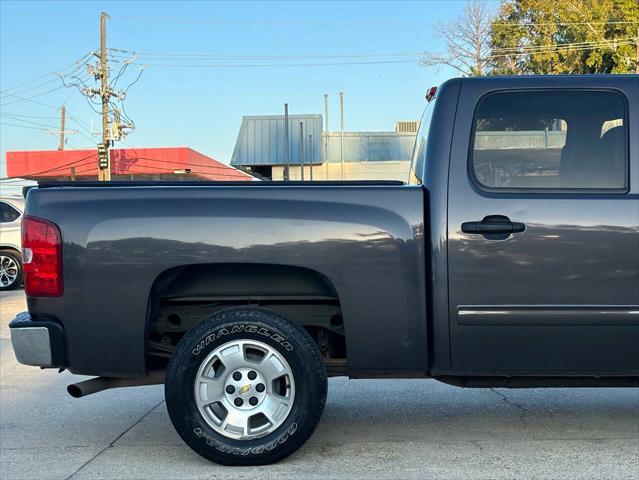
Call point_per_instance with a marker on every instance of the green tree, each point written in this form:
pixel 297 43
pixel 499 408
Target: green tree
pixel 568 36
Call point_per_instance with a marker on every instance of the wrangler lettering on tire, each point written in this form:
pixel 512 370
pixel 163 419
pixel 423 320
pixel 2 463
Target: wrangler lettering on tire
pixel 246 387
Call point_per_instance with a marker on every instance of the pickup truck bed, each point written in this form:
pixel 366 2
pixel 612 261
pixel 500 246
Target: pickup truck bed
pixel 120 259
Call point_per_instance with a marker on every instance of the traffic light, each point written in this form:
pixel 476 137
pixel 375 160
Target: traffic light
pixel 103 156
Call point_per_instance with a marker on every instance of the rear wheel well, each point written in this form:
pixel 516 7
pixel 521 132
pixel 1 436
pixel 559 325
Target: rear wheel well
pixel 183 297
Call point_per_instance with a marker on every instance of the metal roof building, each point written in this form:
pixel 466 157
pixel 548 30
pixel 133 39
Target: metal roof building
pixel 261 140
pixel 369 155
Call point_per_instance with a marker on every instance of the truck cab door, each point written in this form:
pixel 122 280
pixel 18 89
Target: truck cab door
pixel 543 234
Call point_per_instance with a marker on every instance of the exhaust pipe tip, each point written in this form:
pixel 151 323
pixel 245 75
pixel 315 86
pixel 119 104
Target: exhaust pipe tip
pixel 74 391
pixel 98 384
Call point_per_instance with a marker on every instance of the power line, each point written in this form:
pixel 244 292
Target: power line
pixel 544 24
pixel 192 56
pixel 80 60
pixel 74 119
pixel 188 56
pixel 25 91
pixel 81 123
pixel 269 57
pixel 126 90
pixel 269 65
pixel 595 44
pixel 205 21
pixel 131 168
pixel 12 114
pixel 31 97
pixel 53 169
pixel 179 164
pixel 22 126
pixel 556 50
pixel 28 121
pixel 86 125
pixel 32 88
pixel 18 92
pixel 33 101
pixel 77 63
pixel 53 115
pixel 85 165
pixel 343 24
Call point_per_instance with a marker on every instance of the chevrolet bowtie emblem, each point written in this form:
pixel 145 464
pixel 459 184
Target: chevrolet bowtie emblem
pixel 245 389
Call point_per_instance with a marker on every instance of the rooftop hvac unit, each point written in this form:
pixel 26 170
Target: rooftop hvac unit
pixel 407 127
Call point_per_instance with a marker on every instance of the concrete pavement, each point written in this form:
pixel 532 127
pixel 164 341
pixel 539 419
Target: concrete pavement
pixel 371 429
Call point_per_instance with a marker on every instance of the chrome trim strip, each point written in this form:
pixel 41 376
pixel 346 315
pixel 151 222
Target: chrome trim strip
pixel 548 315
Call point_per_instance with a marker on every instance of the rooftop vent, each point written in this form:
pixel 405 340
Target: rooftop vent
pixel 407 127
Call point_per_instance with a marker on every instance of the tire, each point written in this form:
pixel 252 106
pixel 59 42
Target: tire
pixel 10 270
pixel 265 437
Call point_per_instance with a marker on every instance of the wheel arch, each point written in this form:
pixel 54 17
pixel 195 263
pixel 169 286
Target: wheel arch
pixel 10 248
pixel 242 279
pixel 183 296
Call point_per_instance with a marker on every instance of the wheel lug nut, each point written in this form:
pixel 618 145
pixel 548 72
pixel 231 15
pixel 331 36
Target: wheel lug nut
pixel 237 376
pixel 238 402
pixel 253 401
pixel 230 389
pixel 259 387
pixel 252 375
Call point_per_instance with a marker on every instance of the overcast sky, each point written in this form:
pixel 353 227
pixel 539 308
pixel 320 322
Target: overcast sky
pixel 202 107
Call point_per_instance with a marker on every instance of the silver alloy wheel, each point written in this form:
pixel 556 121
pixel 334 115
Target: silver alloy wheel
pixel 8 271
pixel 244 389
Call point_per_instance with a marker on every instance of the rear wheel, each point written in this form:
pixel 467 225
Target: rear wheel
pixel 10 270
pixel 246 387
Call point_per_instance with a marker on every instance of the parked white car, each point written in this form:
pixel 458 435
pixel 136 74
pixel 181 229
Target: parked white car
pixel 11 210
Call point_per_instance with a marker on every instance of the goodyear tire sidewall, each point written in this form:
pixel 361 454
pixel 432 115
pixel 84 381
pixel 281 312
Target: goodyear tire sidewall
pixel 193 428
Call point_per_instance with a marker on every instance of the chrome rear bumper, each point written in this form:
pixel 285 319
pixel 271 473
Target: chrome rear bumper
pixel 38 343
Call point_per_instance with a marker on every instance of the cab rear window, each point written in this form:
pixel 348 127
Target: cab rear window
pixel 550 140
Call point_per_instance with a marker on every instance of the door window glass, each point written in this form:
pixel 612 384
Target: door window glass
pixel 550 140
pixel 8 213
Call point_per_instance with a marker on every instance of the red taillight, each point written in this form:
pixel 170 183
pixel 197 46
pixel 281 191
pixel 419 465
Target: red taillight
pixel 41 258
pixel 430 94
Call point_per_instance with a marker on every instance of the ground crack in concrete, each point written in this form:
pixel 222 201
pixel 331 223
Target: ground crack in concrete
pixel 523 411
pixel 113 442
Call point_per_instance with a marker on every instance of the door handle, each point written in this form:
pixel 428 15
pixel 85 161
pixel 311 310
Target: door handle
pixel 493 224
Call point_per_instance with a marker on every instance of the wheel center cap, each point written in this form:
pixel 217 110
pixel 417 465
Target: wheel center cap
pixel 245 388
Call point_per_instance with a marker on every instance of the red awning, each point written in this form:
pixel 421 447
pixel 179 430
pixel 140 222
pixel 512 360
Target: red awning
pixel 136 162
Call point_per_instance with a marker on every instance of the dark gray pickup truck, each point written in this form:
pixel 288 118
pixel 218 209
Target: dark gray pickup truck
pixel 510 260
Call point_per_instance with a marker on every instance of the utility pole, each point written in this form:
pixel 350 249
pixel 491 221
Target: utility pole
pixel 310 153
pixel 113 128
pixel 637 52
pixel 286 144
pixel 341 139
pixel 104 167
pixel 62 115
pixel 326 127
pixel 326 134
pixel 301 150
